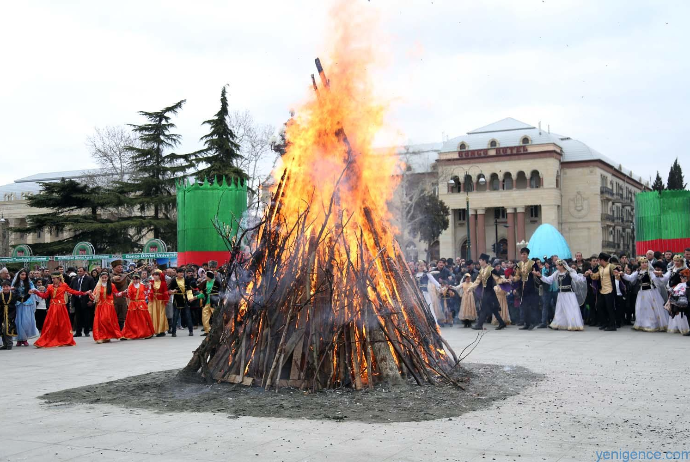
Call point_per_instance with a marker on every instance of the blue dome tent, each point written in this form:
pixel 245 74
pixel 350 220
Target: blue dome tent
pixel 546 240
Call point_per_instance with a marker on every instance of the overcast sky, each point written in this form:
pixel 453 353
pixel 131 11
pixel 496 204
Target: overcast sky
pixel 613 74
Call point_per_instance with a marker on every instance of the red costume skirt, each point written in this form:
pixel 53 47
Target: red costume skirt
pixel 138 323
pixel 105 326
pixel 57 328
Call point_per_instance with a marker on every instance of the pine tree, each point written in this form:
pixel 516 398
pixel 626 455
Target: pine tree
pixel 151 189
pixel 658 184
pixel 79 211
pixel 675 177
pixel 222 152
pixel 429 219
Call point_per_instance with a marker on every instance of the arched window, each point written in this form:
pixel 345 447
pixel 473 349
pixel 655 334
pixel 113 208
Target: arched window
pixel 462 146
pixel 507 181
pixel 469 184
pixel 534 180
pixel 493 144
pixel 481 178
pixel 521 181
pixel 495 183
pixel 525 140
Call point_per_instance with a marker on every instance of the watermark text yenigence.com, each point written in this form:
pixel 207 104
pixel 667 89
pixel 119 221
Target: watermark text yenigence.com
pixel 626 456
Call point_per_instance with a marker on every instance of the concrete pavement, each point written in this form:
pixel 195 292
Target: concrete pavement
pixel 621 390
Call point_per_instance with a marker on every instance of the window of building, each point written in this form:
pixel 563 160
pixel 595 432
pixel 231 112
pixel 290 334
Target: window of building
pixel 462 147
pixel 500 213
pixel 462 215
pixel 469 184
pixel 493 144
pixel 39 234
pixel 508 182
pixel 525 140
pixel 495 182
pixel 534 180
pixel 434 189
pixel 534 211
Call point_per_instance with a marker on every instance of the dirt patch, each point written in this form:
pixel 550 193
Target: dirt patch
pixel 168 391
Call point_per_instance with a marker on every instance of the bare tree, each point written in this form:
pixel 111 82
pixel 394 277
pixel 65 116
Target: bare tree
pixel 107 147
pixel 416 176
pixel 255 145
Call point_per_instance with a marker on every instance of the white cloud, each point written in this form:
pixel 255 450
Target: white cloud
pixel 612 74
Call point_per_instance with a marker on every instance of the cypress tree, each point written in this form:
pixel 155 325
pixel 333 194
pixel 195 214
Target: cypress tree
pixel 222 151
pixel 658 184
pixel 675 177
pixel 151 189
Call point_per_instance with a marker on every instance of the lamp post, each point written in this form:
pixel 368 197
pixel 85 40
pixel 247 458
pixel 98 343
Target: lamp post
pixel 451 183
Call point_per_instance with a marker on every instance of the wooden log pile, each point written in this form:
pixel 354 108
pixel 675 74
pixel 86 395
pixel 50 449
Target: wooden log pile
pixel 326 300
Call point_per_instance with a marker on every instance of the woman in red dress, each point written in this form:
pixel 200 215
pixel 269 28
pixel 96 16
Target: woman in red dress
pixel 57 328
pixel 105 326
pixel 138 323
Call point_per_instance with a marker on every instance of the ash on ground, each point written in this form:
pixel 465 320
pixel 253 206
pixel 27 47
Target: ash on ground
pixel 168 391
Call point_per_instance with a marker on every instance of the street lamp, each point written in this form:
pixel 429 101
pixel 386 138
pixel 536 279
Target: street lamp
pixel 451 183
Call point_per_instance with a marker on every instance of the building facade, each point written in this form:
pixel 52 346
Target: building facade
pixel 515 177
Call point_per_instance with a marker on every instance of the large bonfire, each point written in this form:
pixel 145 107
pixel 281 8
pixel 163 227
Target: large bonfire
pixel 326 299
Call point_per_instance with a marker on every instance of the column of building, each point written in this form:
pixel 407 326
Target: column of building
pixel 510 215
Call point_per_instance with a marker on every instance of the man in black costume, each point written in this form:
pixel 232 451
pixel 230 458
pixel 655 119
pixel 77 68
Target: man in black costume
pixel 488 278
pixel 606 298
pixel 182 289
pixel 528 291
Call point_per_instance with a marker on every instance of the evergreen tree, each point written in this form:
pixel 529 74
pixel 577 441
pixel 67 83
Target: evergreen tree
pixel 151 189
pixel 429 219
pixel 675 177
pixel 222 152
pixel 658 184
pixel 76 209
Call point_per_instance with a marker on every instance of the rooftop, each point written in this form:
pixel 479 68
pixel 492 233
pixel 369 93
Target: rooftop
pixel 510 132
pixel 32 184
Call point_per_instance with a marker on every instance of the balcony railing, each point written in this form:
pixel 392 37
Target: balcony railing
pixel 608 245
pixel 606 191
pixel 606 217
pixel 618 198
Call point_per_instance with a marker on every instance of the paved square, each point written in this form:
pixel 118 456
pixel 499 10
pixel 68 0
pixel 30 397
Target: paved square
pixel 622 390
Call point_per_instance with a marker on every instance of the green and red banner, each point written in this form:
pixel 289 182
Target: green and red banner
pixel 662 221
pixel 198 207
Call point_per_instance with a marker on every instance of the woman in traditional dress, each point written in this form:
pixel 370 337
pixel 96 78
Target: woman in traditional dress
pixel 568 315
pixel 650 315
pixel 105 325
pixel 468 309
pixel 429 287
pixel 57 328
pixel 502 297
pixel 26 308
pixel 158 297
pixel 138 322
pixel 678 301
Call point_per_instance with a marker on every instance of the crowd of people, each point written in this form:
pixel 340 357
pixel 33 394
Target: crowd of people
pixel 140 302
pixel 604 291
pixel 116 303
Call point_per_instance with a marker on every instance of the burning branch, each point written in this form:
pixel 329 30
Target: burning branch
pixel 326 299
